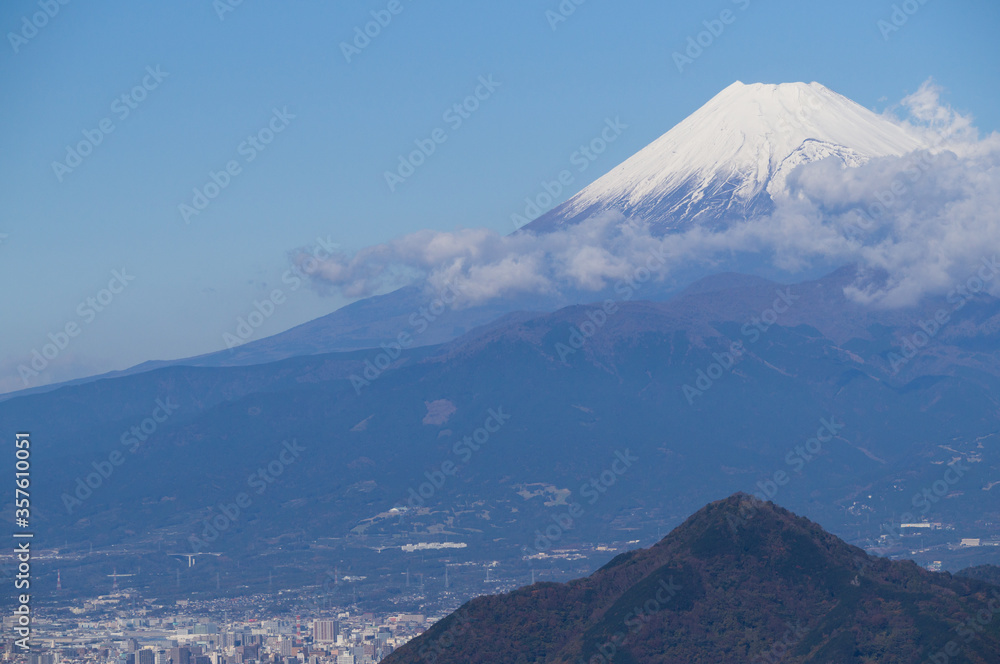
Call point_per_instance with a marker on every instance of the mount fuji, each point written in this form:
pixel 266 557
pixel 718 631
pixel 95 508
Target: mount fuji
pixel 724 163
pixel 730 159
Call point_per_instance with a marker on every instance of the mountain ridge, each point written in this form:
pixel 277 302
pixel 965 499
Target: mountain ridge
pixel 721 588
pixel 624 381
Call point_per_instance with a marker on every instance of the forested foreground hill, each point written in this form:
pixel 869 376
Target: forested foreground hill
pixel 740 581
pixel 987 573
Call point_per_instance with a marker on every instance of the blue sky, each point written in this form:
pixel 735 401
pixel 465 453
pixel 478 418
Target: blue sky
pixel 322 176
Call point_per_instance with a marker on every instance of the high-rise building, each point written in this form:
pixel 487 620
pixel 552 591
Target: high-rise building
pixel 325 631
pixel 180 656
pixel 277 627
pixel 41 658
pixel 246 653
pixel 145 656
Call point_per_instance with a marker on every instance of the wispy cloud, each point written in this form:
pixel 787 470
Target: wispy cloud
pixel 921 219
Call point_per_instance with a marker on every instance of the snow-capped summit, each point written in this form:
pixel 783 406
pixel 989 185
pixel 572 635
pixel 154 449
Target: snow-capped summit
pixel 726 160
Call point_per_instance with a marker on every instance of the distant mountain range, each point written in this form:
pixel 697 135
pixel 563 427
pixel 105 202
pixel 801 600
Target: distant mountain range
pixel 740 581
pixel 360 325
pixel 579 385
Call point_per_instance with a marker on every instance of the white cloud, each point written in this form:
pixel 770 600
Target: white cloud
pixel 925 220
pixel 924 113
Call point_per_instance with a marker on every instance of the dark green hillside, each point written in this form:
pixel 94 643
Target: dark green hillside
pixel 740 581
pixel 987 573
